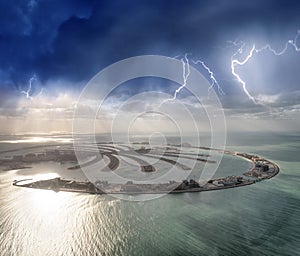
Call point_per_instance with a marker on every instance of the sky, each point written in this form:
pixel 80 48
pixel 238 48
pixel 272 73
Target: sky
pixel 50 50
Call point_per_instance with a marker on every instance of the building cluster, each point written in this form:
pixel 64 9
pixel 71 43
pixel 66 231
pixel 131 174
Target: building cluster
pixel 101 184
pixel 262 166
pixel 245 155
pixel 131 187
pixel 170 186
pixel 262 169
pixel 227 181
pixel 50 155
pixel 253 158
pixel 143 150
pixel 58 184
pixel 188 184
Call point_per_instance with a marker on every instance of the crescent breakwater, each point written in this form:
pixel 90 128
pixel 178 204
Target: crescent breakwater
pixel 262 169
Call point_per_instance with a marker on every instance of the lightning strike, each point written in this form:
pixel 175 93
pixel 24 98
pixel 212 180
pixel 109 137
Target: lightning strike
pixel 29 89
pixel 185 75
pixel 212 77
pixel 235 62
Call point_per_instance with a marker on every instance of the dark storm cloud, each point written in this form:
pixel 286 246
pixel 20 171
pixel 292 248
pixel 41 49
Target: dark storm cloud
pixel 116 31
pixel 73 40
pixel 27 31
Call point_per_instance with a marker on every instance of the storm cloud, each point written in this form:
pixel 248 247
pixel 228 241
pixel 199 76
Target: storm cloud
pixel 64 43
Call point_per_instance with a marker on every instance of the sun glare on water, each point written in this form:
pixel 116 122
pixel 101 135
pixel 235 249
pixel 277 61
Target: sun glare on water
pixel 39 140
pixel 48 201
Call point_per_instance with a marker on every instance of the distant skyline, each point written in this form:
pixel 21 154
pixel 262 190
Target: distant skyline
pixel 50 49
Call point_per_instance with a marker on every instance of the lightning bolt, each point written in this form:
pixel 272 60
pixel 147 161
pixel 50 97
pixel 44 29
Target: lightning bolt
pixel 241 45
pixel 212 77
pixel 235 62
pixel 185 75
pixel 29 89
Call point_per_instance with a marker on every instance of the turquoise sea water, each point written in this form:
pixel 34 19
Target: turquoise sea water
pixel 261 219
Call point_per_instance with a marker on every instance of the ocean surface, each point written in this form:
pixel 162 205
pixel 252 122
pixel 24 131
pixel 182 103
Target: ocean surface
pixel 261 219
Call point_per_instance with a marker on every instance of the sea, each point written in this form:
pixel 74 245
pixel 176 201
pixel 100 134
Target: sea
pixel 261 219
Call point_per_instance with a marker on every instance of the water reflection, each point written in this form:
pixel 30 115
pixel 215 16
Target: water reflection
pixel 38 140
pixel 48 203
pixel 44 222
pixel 41 222
pixel 256 220
pixel 38 222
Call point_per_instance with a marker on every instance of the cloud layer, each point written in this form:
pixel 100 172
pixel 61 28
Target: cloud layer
pixel 65 43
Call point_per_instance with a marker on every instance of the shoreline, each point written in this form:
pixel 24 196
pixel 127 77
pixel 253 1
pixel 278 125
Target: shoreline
pixel 262 169
pixel 137 192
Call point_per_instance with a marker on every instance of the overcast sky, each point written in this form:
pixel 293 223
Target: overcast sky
pixel 59 45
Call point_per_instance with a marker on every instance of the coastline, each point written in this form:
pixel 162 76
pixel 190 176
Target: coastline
pixel 262 169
